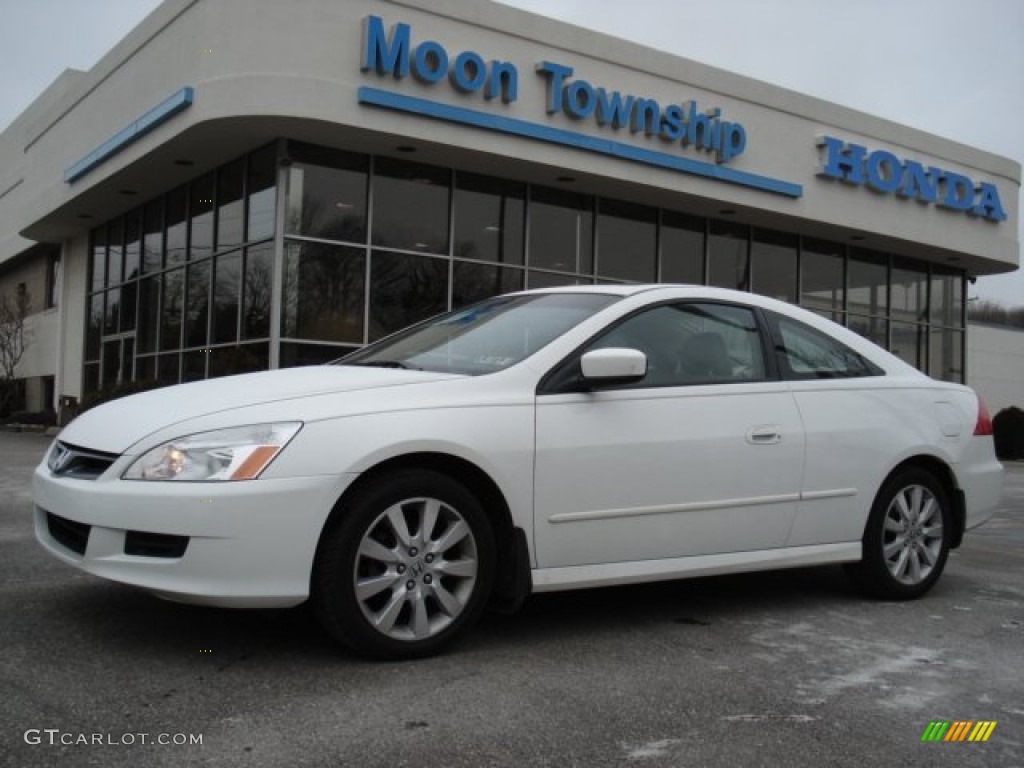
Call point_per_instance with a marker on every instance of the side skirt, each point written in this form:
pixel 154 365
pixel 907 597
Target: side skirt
pixel 635 572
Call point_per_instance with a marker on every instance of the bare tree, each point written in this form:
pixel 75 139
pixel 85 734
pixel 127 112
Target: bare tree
pixel 988 311
pixel 13 341
pixel 256 297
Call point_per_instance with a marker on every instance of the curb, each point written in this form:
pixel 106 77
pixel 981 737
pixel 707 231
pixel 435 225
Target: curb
pixel 39 429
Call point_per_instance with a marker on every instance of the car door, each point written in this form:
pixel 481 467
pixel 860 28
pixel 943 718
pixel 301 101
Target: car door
pixel 702 456
pixel 854 424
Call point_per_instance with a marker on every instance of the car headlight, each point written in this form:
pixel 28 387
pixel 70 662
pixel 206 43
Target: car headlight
pixel 239 453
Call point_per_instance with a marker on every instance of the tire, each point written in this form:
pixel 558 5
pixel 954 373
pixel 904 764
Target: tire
pixel 906 541
pixel 390 585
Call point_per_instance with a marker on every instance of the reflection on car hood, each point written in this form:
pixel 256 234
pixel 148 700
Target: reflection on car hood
pixel 117 425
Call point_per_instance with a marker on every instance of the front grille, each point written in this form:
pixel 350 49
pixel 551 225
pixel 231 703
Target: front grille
pixel 154 544
pixel 68 533
pixel 66 460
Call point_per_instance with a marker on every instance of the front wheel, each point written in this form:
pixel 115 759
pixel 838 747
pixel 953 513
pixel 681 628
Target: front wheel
pixel 406 568
pixel 907 538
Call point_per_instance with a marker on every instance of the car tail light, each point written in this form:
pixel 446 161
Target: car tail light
pixel 984 424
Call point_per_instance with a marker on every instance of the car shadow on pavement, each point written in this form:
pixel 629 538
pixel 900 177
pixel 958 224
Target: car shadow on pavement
pixel 697 602
pixel 132 621
pixel 129 621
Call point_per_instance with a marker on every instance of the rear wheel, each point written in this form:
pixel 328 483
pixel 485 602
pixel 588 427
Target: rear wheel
pixel 907 538
pixel 408 567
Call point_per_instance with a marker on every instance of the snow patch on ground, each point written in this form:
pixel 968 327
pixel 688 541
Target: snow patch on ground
pixel 648 750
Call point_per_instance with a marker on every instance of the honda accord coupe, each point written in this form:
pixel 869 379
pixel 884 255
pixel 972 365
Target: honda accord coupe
pixel 544 440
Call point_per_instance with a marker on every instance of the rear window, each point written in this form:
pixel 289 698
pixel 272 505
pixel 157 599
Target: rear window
pixel 804 352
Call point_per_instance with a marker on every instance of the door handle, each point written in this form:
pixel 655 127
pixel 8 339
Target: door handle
pixel 769 434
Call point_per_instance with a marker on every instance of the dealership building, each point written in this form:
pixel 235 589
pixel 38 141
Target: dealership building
pixel 250 184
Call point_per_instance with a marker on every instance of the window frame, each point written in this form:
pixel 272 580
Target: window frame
pixel 781 356
pixel 566 376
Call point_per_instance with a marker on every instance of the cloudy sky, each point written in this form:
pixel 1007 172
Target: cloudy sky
pixel 951 67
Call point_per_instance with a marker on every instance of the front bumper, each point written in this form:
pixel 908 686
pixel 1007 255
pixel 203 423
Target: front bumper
pixel 245 544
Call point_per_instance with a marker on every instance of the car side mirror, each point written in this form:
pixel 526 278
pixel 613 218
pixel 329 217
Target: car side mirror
pixel 615 365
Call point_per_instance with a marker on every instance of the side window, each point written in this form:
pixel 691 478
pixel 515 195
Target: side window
pixel 806 353
pixel 692 344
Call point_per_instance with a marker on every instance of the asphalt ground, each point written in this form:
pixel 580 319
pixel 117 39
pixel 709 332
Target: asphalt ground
pixel 780 669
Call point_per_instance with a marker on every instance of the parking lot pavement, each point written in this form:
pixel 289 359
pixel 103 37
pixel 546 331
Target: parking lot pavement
pixel 788 668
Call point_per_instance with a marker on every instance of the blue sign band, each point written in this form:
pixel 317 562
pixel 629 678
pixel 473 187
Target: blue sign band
pixel 162 112
pixel 412 105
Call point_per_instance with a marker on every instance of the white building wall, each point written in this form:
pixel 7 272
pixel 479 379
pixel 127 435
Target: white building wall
pixel 995 365
pixel 40 356
pixel 72 331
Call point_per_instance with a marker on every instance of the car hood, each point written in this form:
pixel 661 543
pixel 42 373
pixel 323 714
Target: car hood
pixel 115 426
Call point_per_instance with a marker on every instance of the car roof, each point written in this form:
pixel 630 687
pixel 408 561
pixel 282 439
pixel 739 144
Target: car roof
pixel 679 290
pixel 610 289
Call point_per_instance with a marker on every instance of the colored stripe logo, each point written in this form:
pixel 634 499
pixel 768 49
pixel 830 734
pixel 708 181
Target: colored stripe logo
pixel 958 730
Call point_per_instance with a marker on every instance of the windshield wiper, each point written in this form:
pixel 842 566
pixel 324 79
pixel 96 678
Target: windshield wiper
pixel 387 364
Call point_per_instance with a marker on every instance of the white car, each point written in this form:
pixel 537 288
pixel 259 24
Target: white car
pixel 544 440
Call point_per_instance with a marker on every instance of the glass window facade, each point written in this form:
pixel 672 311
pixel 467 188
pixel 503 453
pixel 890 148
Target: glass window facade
pixel 728 255
pixel 327 194
pixel 682 248
pixel 774 264
pixel 627 238
pixel 201 282
pixel 410 206
pixel 561 230
pixel 404 289
pixel 324 295
pixel 190 284
pixel 822 281
pixel 490 215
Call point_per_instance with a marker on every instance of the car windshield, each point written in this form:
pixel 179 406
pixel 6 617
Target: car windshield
pixel 485 337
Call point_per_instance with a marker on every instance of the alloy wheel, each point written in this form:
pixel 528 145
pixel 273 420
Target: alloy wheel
pixel 912 535
pixel 415 569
